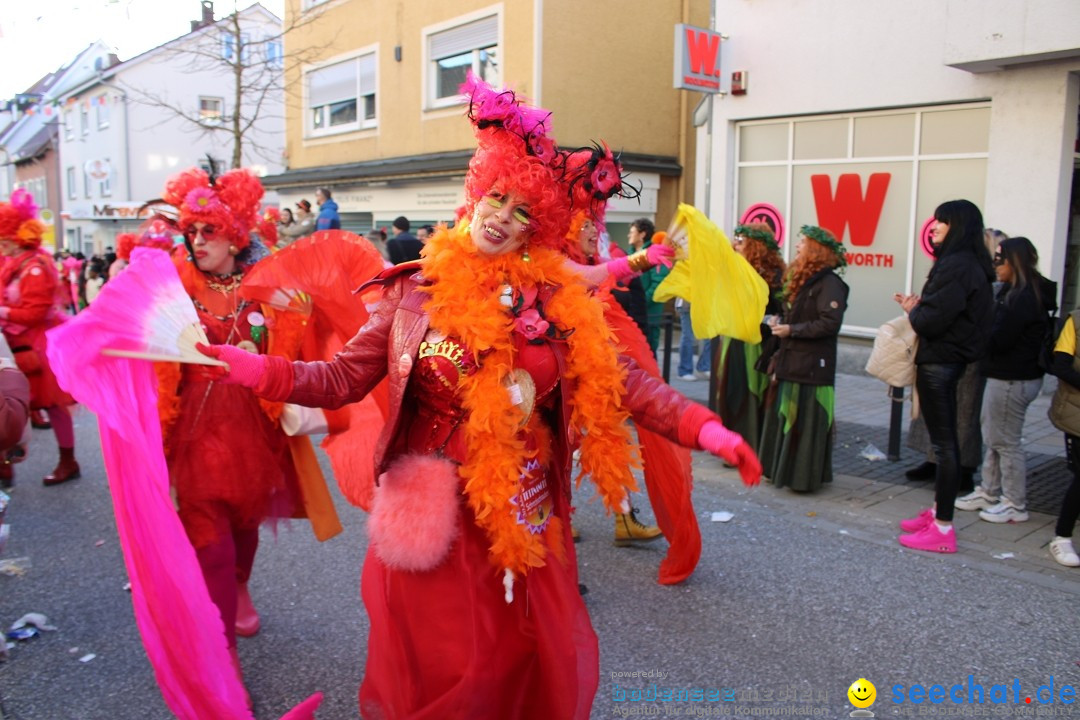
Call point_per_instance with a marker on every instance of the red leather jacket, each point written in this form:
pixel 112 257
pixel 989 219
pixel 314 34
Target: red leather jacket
pixel 396 329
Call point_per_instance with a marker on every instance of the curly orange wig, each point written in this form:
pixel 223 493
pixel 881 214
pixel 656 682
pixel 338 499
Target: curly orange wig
pixel 815 258
pixel 18 220
pixel 767 262
pixel 229 202
pixel 125 243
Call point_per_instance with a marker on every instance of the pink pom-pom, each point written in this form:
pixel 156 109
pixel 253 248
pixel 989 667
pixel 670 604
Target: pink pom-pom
pixel 24 203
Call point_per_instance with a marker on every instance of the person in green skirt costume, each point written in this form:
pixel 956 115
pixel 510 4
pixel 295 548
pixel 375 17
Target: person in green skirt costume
pixel 740 390
pixel 640 237
pixel 797 435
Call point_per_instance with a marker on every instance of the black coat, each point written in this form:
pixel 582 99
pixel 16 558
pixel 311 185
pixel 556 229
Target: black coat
pixel 808 355
pixel 955 311
pixel 403 248
pixel 1020 327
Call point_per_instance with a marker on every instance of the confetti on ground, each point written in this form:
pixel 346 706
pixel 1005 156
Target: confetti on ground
pixel 722 516
pixel 87 657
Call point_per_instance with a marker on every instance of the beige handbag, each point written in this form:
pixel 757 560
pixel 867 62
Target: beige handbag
pixel 893 358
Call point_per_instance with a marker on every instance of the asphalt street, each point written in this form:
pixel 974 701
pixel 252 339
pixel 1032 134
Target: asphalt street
pixel 786 610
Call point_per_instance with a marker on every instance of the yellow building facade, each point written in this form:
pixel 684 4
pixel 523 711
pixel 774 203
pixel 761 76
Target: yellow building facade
pixel 373 114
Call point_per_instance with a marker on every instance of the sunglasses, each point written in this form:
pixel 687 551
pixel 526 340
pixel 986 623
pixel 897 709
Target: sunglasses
pixel 209 232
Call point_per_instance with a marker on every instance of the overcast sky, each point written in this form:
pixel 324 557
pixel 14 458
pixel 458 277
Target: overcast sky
pixel 38 36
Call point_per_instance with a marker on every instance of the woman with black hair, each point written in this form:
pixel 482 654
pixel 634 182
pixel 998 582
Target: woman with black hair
pixel 640 238
pixel 952 318
pixel 1022 309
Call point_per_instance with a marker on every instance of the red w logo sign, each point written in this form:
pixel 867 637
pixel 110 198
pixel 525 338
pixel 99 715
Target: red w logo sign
pixel 704 50
pixel 848 208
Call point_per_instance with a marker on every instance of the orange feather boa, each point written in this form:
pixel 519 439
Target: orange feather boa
pixel 464 303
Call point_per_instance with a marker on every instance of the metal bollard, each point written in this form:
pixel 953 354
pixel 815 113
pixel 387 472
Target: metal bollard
pixel 669 334
pixel 896 394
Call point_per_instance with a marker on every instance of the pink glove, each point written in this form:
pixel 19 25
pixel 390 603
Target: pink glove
pixel 660 255
pixel 718 440
pixel 244 369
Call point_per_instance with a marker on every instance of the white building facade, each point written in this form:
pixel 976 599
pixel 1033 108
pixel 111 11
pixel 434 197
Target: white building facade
pixel 126 132
pixel 862 116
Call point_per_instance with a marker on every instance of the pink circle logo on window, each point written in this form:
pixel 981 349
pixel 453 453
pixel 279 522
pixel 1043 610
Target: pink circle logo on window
pixel 926 238
pixel 768 214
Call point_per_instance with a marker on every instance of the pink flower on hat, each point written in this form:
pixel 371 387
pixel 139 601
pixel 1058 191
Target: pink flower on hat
pixel 202 200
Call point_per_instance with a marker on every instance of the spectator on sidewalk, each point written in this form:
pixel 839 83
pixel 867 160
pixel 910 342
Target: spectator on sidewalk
pixel 1023 304
pixel 640 238
pixel 328 213
pixel 688 344
pixel 404 246
pixel 952 319
pixel 798 431
pixel 424 232
pixel 1065 414
pixel 302 226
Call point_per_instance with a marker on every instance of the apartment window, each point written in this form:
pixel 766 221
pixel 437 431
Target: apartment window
pixel 453 52
pixel 69 125
pixel 341 97
pixel 228 47
pixel 84 119
pixel 105 183
pixel 102 110
pixel 272 48
pixel 211 110
pixel 87 184
pixel 72 190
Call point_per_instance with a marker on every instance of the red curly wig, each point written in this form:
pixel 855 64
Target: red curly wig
pixel 125 243
pixel 229 202
pixel 815 258
pixel 18 220
pixel 765 260
pixel 502 164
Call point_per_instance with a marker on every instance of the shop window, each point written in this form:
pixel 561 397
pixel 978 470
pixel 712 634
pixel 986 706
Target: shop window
pixel 885 135
pixel 764 143
pixel 821 139
pixel 948 132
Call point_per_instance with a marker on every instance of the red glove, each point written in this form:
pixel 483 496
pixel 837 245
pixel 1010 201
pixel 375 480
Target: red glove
pixel 718 440
pixel 244 369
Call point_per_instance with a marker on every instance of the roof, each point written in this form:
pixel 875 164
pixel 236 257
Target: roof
pixel 36 146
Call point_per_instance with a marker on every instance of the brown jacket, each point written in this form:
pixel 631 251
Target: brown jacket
pixel 396 329
pixel 808 355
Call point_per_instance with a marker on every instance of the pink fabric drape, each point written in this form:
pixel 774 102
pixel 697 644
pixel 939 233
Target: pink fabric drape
pixel 180 626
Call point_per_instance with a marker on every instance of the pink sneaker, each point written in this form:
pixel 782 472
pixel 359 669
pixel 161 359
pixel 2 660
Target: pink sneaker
pixel 918 522
pixel 931 539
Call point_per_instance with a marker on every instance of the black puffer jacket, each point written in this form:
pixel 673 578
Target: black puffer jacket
pixel 1020 327
pixel 808 355
pixel 955 311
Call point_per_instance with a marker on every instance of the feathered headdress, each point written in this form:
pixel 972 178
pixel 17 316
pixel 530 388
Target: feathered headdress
pixel 267 228
pixel 516 153
pixel 229 202
pixel 594 176
pixel 18 220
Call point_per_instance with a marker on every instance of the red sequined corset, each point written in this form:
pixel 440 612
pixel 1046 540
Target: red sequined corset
pixel 440 365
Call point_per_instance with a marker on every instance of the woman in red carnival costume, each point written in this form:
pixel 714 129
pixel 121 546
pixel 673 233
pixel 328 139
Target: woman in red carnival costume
pixel 29 280
pixel 499 363
pixel 229 462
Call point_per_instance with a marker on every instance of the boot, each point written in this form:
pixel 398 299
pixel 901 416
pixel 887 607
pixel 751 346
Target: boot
pixel 630 530
pixel 575 535
pixel 66 469
pixel 7 475
pixel 926 471
pixel 39 421
pixel 247 618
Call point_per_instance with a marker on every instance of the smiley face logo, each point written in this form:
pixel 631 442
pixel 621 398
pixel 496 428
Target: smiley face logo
pixel 862 693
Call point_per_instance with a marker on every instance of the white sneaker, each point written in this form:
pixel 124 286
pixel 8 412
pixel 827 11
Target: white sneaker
pixel 1061 549
pixel 978 499
pixel 1004 512
pixel 689 377
pixel 701 374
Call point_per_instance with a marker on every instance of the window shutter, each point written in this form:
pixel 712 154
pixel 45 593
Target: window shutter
pixel 332 84
pixel 463 38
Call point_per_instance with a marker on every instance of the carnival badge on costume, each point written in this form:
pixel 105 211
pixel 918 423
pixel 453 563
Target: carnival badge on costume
pixel 533 500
